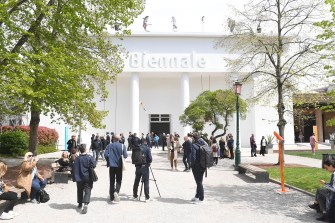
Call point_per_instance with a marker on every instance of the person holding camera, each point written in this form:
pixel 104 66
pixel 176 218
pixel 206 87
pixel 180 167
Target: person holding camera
pixel 29 178
pixel 142 170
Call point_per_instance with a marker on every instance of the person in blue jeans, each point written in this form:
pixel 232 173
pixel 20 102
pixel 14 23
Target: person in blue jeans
pixel 197 170
pixel 156 139
pixel 29 178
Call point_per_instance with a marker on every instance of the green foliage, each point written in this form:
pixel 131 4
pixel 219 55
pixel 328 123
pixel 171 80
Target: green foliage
pixel 270 139
pixel 14 143
pixel 305 178
pixel 56 57
pixel 212 107
pixel 309 154
pixel 46 149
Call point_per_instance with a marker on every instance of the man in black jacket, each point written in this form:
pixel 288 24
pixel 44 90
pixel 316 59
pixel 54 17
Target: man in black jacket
pixel 197 170
pixel 142 170
pixel 187 147
pixel 130 137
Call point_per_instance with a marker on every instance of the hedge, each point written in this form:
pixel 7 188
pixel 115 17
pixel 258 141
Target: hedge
pixel 13 142
pixel 45 136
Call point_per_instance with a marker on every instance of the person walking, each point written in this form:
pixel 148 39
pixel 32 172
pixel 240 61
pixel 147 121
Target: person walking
pixel 168 145
pixel 312 142
pixel 142 170
pixel 114 153
pixel 253 145
pixel 173 153
pixel 197 170
pixel 130 137
pixel 230 144
pixel 96 148
pixel 156 139
pixel 187 148
pixel 215 150
pixel 135 141
pixel 263 145
pixel 71 144
pixel 222 145
pixel 163 141
pixel 80 174
pixel 148 138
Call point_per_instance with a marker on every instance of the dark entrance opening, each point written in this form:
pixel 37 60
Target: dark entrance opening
pixel 159 124
pixel 160 128
pixel 308 129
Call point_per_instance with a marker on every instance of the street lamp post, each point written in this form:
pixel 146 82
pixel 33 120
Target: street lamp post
pixel 237 89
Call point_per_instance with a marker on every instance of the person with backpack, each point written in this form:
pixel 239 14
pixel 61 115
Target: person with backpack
pixel 113 153
pixel 142 165
pixel 197 170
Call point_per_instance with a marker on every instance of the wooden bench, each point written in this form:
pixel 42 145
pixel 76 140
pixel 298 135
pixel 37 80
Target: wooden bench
pixel 59 177
pixel 262 176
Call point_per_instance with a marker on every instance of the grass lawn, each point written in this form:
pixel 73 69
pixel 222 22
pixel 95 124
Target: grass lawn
pixel 306 178
pixel 318 153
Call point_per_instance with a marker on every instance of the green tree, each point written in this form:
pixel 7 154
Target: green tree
pixel 56 56
pixel 273 41
pixel 213 107
pixel 327 47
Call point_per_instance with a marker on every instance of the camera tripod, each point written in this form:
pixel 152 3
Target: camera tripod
pixel 154 179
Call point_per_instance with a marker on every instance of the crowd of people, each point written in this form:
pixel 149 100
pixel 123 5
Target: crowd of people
pixel 112 149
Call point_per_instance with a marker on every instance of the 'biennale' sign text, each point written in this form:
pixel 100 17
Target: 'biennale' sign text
pixel 144 60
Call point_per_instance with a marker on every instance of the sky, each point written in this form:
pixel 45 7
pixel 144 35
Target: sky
pixel 188 14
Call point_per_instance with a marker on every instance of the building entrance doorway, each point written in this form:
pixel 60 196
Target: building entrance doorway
pixel 159 124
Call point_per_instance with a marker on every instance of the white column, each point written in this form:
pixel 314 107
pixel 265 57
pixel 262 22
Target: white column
pixel 135 100
pixel 185 95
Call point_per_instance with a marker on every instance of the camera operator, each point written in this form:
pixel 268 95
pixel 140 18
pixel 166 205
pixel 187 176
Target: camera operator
pixel 142 170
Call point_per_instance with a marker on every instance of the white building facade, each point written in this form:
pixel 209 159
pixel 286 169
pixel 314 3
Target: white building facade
pixel 163 73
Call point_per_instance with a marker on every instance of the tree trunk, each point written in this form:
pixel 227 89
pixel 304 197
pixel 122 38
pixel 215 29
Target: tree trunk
pixel 282 122
pixel 34 123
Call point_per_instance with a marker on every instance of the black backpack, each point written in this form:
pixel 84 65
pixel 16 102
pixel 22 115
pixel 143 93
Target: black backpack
pixel 205 157
pixel 138 157
pixel 42 196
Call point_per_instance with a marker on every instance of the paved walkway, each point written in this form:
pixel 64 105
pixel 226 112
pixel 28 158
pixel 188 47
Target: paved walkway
pixel 229 197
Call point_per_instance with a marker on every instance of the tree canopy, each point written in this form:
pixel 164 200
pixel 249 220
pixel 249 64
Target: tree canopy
pixel 274 46
pixel 56 56
pixel 213 107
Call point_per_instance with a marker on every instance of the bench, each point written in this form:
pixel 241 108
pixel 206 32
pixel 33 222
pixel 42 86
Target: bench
pixel 262 176
pixel 59 177
pixel 19 191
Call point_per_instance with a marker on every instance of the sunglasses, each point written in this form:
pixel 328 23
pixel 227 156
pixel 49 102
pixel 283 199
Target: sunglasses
pixel 30 155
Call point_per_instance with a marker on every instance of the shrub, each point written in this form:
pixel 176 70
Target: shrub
pixel 13 142
pixel 46 149
pixel 45 136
